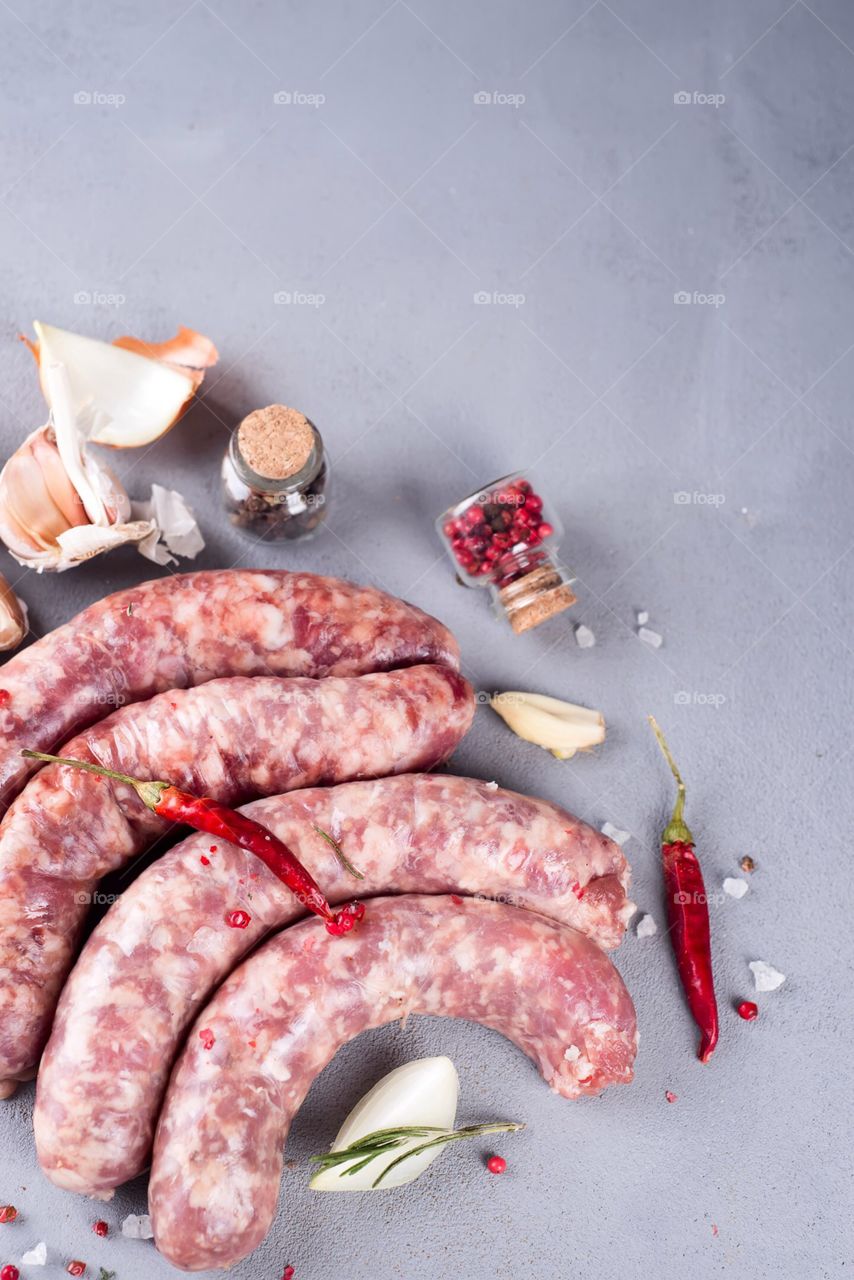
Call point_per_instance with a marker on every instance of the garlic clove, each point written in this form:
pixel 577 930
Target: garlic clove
pixel 62 492
pixel 560 727
pixel 30 503
pixel 423 1092
pixel 13 617
pixel 121 398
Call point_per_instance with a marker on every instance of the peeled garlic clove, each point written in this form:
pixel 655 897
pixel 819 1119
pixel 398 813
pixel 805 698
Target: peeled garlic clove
pixel 423 1092
pixel 560 727
pixel 13 617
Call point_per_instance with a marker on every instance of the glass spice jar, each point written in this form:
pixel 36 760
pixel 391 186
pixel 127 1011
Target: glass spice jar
pixel 505 537
pixel 275 475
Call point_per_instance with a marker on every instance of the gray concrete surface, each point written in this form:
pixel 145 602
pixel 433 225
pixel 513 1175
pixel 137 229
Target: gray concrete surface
pixel 700 453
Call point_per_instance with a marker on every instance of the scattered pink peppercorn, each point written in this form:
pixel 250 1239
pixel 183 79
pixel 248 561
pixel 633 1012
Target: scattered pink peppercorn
pixel 100 1227
pixel 748 1010
pixel 9 1272
pixel 288 1273
pixel 671 1097
pixel 496 1164
pixel 238 919
pixel 8 1213
pixel 76 1268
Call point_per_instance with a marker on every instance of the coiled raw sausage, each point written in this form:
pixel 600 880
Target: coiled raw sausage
pixel 163 947
pixel 283 1014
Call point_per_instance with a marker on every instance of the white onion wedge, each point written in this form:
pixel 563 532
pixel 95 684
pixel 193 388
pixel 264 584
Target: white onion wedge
pixel 121 397
pixel 423 1092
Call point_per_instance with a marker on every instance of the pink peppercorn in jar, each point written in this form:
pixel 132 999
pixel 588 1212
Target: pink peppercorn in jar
pixel 505 537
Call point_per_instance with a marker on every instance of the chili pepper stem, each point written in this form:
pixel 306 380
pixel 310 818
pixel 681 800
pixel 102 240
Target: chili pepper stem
pixel 148 792
pixel 677 830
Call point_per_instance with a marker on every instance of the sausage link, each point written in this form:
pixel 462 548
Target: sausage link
pixel 182 630
pixel 231 739
pixel 163 947
pixel 283 1015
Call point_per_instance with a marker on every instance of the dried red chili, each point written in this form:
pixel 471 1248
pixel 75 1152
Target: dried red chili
pixel 205 814
pixel 688 914
pixel 8 1213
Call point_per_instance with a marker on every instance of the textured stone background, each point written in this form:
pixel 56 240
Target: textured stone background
pixel 700 455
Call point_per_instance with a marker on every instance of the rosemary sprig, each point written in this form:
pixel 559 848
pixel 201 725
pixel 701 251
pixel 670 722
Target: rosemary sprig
pixel 339 853
pixel 383 1141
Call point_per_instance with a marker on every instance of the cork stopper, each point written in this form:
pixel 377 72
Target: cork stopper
pixel 539 595
pixel 275 442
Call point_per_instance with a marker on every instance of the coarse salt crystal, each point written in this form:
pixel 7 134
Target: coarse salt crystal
pixel 651 638
pixel 572 1054
pixel 646 927
pixel 35 1257
pixel 735 887
pixel 137 1227
pixel 584 637
pixel 615 834
pixel 492 786
pixel 765 976
pixel 643 618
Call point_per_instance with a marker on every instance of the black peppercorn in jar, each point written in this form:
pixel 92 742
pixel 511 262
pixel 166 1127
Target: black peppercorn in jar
pixel 275 475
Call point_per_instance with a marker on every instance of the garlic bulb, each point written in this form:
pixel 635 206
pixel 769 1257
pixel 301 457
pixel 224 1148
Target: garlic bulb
pixel 13 617
pixel 58 506
pixel 560 727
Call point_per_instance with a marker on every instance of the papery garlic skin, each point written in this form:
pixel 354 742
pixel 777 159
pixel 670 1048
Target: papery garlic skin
pixel 13 617
pixel 559 727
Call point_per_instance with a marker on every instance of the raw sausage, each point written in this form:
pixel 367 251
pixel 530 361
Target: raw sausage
pixel 162 947
pixel 185 629
pixel 232 739
pixel 283 1014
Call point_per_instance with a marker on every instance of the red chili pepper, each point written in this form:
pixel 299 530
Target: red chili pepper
pixel 8 1213
pixel 688 914
pixel 205 814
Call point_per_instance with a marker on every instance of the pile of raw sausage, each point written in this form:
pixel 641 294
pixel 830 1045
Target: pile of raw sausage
pixel 243 684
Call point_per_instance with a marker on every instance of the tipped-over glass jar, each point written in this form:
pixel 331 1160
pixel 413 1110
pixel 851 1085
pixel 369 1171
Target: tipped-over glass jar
pixel 275 475
pixel 505 537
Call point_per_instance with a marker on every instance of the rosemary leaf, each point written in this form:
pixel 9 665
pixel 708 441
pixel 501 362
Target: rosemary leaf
pixel 339 853
pixel 384 1141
